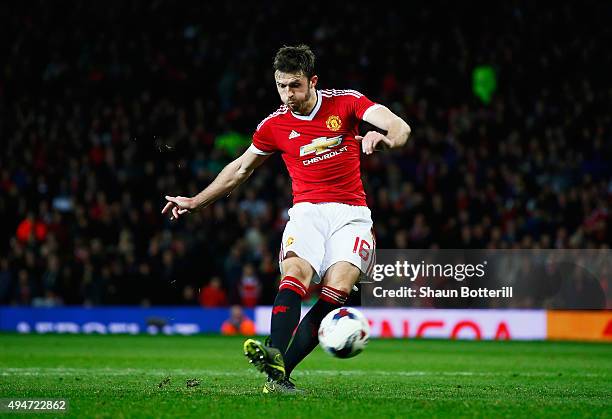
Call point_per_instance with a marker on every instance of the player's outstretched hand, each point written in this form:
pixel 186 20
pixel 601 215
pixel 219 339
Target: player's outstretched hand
pixel 178 205
pixel 373 141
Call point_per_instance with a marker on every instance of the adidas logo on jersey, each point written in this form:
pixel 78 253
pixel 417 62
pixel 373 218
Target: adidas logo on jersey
pixel 293 134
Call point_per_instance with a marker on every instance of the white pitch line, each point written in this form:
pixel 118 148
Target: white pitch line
pixel 119 371
pixel 207 372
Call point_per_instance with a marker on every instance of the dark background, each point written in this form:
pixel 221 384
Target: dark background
pixel 105 107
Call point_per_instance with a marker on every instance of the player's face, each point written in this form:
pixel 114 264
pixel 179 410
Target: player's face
pixel 296 90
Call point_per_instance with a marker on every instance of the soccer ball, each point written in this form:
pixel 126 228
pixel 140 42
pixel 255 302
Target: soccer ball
pixel 344 332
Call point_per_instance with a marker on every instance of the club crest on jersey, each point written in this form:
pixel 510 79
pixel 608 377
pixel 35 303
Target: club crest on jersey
pixel 290 241
pixel 333 123
pixel 320 145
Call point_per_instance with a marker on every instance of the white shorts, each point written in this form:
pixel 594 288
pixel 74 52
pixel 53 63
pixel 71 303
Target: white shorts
pixel 330 232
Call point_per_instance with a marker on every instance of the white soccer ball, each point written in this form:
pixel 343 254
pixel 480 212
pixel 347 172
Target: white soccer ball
pixel 344 332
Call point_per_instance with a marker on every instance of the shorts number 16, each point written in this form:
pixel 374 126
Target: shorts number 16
pixel 362 247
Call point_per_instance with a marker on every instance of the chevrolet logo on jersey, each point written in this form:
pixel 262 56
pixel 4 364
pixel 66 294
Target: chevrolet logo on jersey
pixel 320 145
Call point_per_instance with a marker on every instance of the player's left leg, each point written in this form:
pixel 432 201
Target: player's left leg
pixel 337 284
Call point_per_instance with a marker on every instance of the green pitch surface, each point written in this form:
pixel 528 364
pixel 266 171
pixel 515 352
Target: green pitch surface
pixel 146 376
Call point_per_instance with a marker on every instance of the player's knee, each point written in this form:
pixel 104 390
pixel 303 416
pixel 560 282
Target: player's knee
pixel 298 268
pixel 342 276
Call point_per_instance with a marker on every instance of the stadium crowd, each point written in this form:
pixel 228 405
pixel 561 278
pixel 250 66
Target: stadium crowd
pixel 105 108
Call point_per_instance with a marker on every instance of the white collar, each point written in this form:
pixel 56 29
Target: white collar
pixel 314 111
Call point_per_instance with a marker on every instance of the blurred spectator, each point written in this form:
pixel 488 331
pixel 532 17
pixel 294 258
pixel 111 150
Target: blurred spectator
pixel 25 290
pixel 31 229
pixel 51 274
pixel 6 281
pixel 212 295
pixel 249 287
pixel 238 323
pixel 189 296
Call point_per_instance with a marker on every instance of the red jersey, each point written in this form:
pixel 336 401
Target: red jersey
pixel 320 150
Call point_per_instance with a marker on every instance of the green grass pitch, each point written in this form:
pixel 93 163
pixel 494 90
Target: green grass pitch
pixel 146 376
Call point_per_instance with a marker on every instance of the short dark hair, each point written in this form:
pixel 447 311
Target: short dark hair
pixel 298 59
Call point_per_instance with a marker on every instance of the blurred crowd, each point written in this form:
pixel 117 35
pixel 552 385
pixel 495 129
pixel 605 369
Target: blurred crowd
pixel 108 106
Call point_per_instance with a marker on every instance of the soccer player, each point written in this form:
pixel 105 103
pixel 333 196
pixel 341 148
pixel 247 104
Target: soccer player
pixel 329 234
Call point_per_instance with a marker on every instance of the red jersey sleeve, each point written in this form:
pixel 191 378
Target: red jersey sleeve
pixel 362 104
pixel 263 140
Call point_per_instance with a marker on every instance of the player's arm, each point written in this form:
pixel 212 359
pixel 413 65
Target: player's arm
pixel 232 175
pixel 397 129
